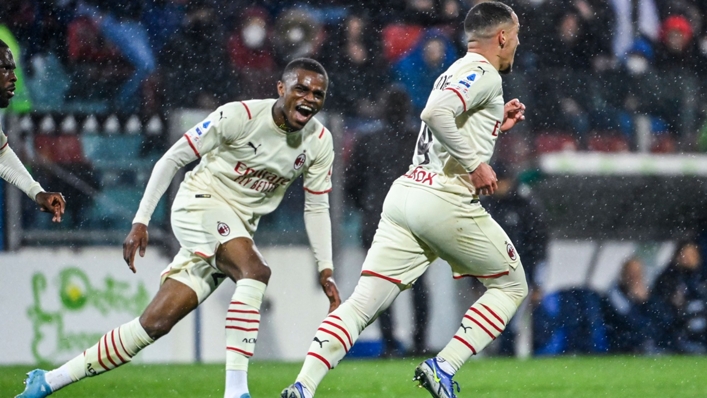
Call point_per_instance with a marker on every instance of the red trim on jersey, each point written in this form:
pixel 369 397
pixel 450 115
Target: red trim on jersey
pixel 202 255
pixel 243 329
pixel 247 110
pixel 481 326
pixel 3 147
pixel 243 320
pixel 322 133
pixel 483 276
pixel 193 148
pixel 115 347
pixel 459 94
pixel 317 192
pixel 321 358
pixel 377 275
pixel 466 343
pixel 327 331
pixel 494 314
pixel 486 319
pixel 238 350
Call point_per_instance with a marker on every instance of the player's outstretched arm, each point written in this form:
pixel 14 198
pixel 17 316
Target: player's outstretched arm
pixel 136 239
pixel 513 113
pixel 326 279
pixel 51 202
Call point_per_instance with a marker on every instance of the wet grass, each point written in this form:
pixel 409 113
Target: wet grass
pixel 643 377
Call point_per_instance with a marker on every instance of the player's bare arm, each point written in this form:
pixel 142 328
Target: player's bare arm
pixel 136 239
pixel 326 279
pixel 51 202
pixel 513 113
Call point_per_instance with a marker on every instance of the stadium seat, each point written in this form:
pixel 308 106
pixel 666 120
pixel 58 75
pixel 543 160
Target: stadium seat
pixel 101 147
pixel 61 149
pixel 116 207
pixel 555 142
pixel 607 143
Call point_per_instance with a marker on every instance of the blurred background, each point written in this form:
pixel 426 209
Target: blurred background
pixel 602 187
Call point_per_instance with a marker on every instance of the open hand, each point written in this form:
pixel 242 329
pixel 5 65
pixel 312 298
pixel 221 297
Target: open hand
pixel 136 239
pixel 326 279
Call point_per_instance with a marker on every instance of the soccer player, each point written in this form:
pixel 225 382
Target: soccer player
pixel 250 152
pixel 11 168
pixel 434 211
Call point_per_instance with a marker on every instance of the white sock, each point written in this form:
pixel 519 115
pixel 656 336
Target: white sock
pixel 58 378
pixel 307 393
pixel 236 383
pixel 445 366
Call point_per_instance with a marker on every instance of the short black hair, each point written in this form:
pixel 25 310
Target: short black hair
pixel 3 44
pixel 486 15
pixel 306 64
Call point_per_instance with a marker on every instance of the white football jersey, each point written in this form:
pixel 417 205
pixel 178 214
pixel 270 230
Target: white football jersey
pixel 479 114
pixel 249 162
pixel 3 140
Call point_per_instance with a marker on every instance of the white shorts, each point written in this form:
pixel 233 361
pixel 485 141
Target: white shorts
pixel 201 222
pixel 418 225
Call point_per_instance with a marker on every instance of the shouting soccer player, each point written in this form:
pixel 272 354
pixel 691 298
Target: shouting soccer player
pixel 434 211
pixel 11 168
pixel 250 152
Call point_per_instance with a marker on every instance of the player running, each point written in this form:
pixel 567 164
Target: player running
pixel 11 168
pixel 250 152
pixel 434 211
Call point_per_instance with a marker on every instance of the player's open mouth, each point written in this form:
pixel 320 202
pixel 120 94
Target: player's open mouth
pixel 11 92
pixel 304 110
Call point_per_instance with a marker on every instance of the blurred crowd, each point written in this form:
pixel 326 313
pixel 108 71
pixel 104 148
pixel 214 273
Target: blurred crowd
pixel 592 72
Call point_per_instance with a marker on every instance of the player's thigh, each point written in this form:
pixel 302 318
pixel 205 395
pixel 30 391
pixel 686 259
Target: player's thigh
pixel 195 272
pixel 462 234
pixel 396 254
pixel 173 301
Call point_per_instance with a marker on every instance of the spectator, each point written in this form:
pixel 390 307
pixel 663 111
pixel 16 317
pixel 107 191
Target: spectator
pixel 251 54
pixel 378 159
pixel 195 62
pixel 297 34
pixel 626 312
pixel 679 303
pixel 418 70
pixel 633 19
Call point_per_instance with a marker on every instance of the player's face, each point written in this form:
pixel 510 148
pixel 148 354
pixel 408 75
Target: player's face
pixel 302 95
pixel 508 53
pixel 7 77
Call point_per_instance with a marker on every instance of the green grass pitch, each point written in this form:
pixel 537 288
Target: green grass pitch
pixel 642 377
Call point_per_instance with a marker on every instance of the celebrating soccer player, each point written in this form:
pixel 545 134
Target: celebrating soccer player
pixel 434 211
pixel 250 153
pixel 11 168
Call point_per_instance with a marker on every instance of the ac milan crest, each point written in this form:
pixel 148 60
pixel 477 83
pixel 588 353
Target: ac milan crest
pixel 511 251
pixel 299 162
pixel 223 228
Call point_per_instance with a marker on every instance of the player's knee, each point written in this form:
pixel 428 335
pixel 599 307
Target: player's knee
pixel 155 327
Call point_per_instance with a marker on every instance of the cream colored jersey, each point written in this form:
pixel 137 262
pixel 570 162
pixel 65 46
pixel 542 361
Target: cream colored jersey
pixel 478 114
pixel 3 140
pixel 249 162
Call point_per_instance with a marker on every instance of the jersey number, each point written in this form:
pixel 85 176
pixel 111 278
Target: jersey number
pixel 442 82
pixel 495 129
pixel 424 143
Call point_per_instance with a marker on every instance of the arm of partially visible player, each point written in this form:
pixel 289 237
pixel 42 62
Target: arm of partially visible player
pixel 318 225
pixel 13 171
pixel 179 155
pixel 440 117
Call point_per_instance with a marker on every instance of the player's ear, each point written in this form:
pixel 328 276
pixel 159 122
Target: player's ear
pixel 280 88
pixel 501 38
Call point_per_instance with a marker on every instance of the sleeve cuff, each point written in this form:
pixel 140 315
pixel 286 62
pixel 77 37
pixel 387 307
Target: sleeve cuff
pixel 472 166
pixel 141 219
pixel 322 265
pixel 33 190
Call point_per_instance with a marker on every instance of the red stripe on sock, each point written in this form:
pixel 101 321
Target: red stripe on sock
pixel 340 328
pixel 120 339
pixel 494 314
pixel 238 350
pixel 99 355
pixel 115 347
pixel 335 335
pixel 321 358
pixel 245 311
pixel 481 326
pixel 243 320
pixel 105 341
pixel 486 319
pixel 466 343
pixel 243 329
